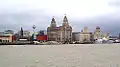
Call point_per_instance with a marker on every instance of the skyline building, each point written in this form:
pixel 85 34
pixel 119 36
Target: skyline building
pixel 98 34
pixel 62 33
pixel 85 35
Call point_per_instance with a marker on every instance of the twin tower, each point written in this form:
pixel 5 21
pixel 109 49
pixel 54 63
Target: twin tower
pixel 62 33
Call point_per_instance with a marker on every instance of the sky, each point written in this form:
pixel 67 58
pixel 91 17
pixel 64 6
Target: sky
pixel 80 13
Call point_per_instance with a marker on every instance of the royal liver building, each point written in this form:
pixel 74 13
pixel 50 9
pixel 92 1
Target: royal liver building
pixel 62 33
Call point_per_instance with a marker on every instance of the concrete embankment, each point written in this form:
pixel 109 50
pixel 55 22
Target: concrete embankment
pixel 15 43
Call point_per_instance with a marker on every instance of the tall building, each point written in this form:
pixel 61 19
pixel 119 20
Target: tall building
pixel 52 31
pixel 85 29
pixel 66 30
pixel 62 33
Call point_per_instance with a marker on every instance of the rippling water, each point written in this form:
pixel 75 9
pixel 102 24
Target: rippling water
pixel 97 55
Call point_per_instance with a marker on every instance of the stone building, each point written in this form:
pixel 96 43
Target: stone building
pixel 106 36
pixel 62 33
pixel 98 34
pixel 6 37
pixel 85 35
pixel 76 36
pixel 52 31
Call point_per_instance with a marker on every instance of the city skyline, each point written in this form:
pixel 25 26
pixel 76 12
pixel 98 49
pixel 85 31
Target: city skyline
pixel 80 13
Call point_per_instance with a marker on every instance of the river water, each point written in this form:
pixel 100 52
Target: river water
pixel 86 55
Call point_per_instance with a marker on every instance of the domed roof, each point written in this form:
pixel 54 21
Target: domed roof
pixel 65 19
pixel 97 27
pixel 53 19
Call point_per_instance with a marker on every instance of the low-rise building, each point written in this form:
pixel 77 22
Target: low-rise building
pixel 9 31
pixel 26 34
pixel 22 34
pixel 41 37
pixel 6 37
pixel 76 36
pixel 85 35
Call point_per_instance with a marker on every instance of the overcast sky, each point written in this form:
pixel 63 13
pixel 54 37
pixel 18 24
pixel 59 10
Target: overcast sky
pixel 80 13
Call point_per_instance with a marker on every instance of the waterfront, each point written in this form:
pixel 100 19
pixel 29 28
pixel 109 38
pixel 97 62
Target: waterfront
pixel 69 55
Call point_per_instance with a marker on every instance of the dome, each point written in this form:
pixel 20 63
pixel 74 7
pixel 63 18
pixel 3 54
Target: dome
pixel 65 19
pixel 97 27
pixel 53 19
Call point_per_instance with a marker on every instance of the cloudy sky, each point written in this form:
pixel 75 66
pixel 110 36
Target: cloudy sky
pixel 80 13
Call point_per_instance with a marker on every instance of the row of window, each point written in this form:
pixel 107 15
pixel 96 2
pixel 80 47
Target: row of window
pixel 4 41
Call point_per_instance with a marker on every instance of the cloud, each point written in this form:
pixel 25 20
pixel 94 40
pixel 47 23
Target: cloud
pixel 26 19
pixel 42 19
pixel 114 2
pixel 108 23
pixel 74 8
pixel 26 13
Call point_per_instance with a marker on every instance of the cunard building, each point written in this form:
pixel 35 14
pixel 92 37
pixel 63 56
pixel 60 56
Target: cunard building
pixel 62 33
